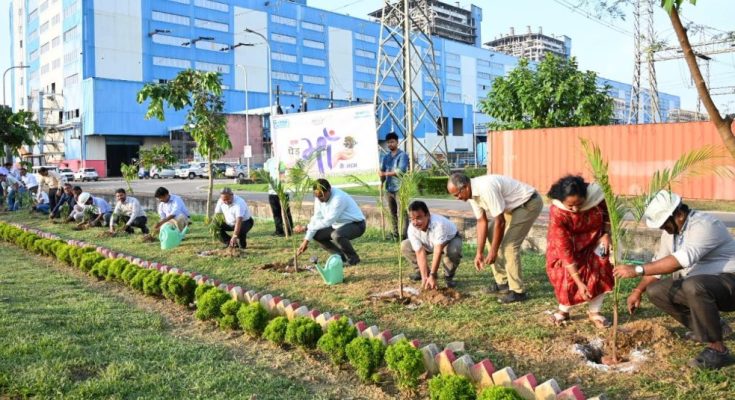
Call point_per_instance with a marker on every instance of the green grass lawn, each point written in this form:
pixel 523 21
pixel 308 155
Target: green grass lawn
pixel 63 336
pixel 516 335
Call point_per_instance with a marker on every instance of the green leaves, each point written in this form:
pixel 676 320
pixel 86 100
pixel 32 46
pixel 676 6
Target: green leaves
pixel 17 129
pixel 160 156
pixel 554 94
pixel 669 5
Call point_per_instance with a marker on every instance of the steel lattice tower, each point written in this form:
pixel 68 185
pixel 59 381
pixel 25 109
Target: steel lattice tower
pixel 407 61
pixel 635 95
pixel 652 84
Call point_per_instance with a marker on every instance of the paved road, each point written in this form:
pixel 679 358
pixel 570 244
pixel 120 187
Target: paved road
pixel 197 188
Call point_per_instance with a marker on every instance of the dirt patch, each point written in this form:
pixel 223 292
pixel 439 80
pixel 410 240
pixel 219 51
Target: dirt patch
pixel 148 238
pixel 80 227
pixel 413 297
pixel 230 252
pixel 281 267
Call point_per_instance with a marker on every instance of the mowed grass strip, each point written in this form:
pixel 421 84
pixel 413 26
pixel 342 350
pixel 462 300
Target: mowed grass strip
pixel 61 338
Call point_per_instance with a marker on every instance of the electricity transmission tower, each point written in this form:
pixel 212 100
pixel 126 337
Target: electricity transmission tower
pixel 635 95
pixel 650 63
pixel 407 89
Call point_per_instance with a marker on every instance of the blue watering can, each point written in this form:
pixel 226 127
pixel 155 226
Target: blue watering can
pixel 333 270
pixel 170 236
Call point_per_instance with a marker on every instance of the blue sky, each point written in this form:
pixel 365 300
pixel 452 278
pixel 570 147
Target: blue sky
pixel 596 46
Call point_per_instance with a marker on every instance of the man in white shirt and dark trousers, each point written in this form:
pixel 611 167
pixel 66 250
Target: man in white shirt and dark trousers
pixel 128 210
pixel 503 199
pixel 29 180
pixel 101 210
pixel 699 252
pixel 431 234
pixel 171 210
pixel 336 221
pixel 274 170
pixel 237 217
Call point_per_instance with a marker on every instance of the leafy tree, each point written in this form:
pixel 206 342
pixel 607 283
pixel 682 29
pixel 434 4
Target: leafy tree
pixel 17 129
pixel 129 173
pixel 554 94
pixel 201 93
pixel 157 155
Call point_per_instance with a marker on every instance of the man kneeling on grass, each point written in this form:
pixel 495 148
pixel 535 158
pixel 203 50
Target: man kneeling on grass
pixel 171 210
pixel 129 211
pixel 100 209
pixel 435 234
pixel 237 219
pixel 699 252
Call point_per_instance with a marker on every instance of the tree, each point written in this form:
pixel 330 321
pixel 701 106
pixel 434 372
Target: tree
pixel 554 94
pixel 201 92
pixel 723 124
pixel 17 129
pixel 160 156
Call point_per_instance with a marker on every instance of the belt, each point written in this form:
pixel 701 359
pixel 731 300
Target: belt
pixel 533 196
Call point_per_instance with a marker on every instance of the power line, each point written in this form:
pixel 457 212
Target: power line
pixel 573 8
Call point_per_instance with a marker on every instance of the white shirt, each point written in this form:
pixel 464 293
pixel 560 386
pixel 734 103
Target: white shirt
pixel 238 208
pixel 42 197
pixel 440 231
pixel 173 207
pixel 30 180
pixel 130 207
pixel 272 166
pixel 703 247
pixel 496 194
pixel 102 206
pixel 339 210
pixel 10 180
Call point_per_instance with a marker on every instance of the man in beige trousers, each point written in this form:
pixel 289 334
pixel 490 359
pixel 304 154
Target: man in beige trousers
pixel 514 207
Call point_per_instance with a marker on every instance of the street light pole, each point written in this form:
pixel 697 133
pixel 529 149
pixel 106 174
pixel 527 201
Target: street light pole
pixel 4 73
pixel 247 115
pixel 270 92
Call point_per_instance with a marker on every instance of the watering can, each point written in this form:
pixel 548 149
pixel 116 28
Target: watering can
pixel 170 236
pixel 333 270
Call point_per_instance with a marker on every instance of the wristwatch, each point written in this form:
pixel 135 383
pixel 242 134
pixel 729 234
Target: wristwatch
pixel 433 275
pixel 639 270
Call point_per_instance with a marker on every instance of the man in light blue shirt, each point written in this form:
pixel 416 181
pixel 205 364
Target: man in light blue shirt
pixel 337 220
pixel 100 208
pixel 393 163
pixel 171 209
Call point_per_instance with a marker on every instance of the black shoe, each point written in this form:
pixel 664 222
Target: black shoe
pixel 353 262
pixel 416 276
pixel 129 230
pixel 710 358
pixel 450 281
pixel 513 297
pixel 279 234
pixel 145 230
pixel 494 288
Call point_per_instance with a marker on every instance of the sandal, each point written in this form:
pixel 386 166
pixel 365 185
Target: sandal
pixel 599 320
pixel 559 318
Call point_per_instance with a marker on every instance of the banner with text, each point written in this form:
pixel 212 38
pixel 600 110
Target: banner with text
pixel 341 141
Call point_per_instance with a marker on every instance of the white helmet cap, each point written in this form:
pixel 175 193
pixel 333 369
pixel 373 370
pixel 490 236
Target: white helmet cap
pixel 83 197
pixel 660 208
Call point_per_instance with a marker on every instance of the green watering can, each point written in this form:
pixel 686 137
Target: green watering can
pixel 333 271
pixel 170 236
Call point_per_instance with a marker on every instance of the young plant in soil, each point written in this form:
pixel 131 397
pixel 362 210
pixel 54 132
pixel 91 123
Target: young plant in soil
pixel 409 188
pixel 129 174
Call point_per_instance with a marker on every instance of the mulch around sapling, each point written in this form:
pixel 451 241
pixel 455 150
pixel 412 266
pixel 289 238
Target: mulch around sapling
pixel 229 252
pixel 414 297
pixel 148 238
pixel 281 267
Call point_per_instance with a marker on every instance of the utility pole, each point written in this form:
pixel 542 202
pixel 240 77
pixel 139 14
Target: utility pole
pixel 635 95
pixel 652 84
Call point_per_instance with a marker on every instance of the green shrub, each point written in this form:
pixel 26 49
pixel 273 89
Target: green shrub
pixel 334 342
pixel 101 269
pixel 229 310
pixel 275 331
pixel 253 318
pixel 209 306
pixel 366 355
pixel 182 288
pixel 64 254
pixel 78 253
pixel 165 279
pixel 201 290
pixel 474 172
pixel 433 184
pixel 89 260
pixel 152 283
pixel 137 281
pixel 116 269
pixel 499 393
pixel 451 387
pixel 130 271
pixel 406 363
pixel 303 332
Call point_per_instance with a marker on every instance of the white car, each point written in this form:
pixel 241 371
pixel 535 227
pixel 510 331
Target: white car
pixel 67 174
pixel 236 171
pixel 191 171
pixel 87 174
pixel 164 172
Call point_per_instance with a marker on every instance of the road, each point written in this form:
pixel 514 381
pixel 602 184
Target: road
pixel 197 188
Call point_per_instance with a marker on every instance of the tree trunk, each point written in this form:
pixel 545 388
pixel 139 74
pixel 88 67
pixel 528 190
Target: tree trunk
pixel 211 184
pixel 723 125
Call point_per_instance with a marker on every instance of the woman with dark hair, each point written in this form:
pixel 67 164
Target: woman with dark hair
pixel 578 244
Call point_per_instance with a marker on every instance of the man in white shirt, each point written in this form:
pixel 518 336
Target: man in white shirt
pixel 29 180
pixel 129 211
pixel 237 217
pixel 501 198
pixel 699 252
pixel 336 221
pixel 41 201
pixel 100 208
pixel 14 190
pixel 431 234
pixel 53 182
pixel 276 172
pixel 171 210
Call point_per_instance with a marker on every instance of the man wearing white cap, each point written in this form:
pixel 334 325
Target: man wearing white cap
pixel 100 208
pixel 699 252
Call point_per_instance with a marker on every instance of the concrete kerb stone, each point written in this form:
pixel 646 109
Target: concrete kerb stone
pixel 547 390
pixel 504 377
pixel 360 326
pixel 397 338
pixel 429 353
pixel 302 311
pixel 250 295
pixel 463 366
pixel 265 301
pixel 526 386
pixel 482 373
pixel 384 336
pixel 444 361
pixel 572 393
pixel 237 293
pixel 281 307
pixel 456 347
pixel 290 310
pixel 370 332
pixel 323 320
pixel 272 307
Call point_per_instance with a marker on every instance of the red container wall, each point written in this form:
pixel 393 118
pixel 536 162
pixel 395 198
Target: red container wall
pixel 634 152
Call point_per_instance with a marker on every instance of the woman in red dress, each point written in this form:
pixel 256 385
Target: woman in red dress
pixel 578 244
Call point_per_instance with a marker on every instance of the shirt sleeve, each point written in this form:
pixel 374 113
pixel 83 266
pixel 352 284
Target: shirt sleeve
pixel 161 214
pixel 383 167
pixel 701 239
pixel 476 208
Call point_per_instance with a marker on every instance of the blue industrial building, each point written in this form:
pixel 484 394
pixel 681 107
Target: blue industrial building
pixel 90 58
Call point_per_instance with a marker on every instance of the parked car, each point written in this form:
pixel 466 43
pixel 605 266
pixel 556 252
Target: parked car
pixel 86 174
pixel 219 169
pixel 163 172
pixel 192 170
pixel 67 174
pixel 239 171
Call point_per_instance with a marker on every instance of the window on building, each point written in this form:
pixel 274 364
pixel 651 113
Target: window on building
pixel 56 63
pixel 313 44
pixel 457 127
pixel 169 40
pixel 72 8
pixel 71 57
pixel 312 26
pixel 317 80
pixel 171 62
pixel 56 19
pixel 484 75
pixel 43 7
pixel 56 41
pixel 213 25
pixel 365 69
pixel 71 80
pixel 209 45
pixel 313 61
pixel 33 15
pixel 365 38
pixel 172 18
pixel 212 5
pixel 212 67
pixel 71 34
pixel 283 57
pixel 277 37
pixel 32 56
pixel 441 125
pixel 44 27
pixel 365 53
pixel 286 76
pixel 452 70
pixel 277 19
pixel 181 1
pixel 44 68
pixel 45 48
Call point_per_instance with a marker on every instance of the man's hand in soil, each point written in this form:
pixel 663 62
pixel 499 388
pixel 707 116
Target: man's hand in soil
pixel 430 283
pixel 634 301
pixel 302 248
pixel 233 241
pixel 479 262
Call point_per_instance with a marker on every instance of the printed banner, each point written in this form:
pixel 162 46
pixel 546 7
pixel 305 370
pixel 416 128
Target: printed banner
pixel 342 141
